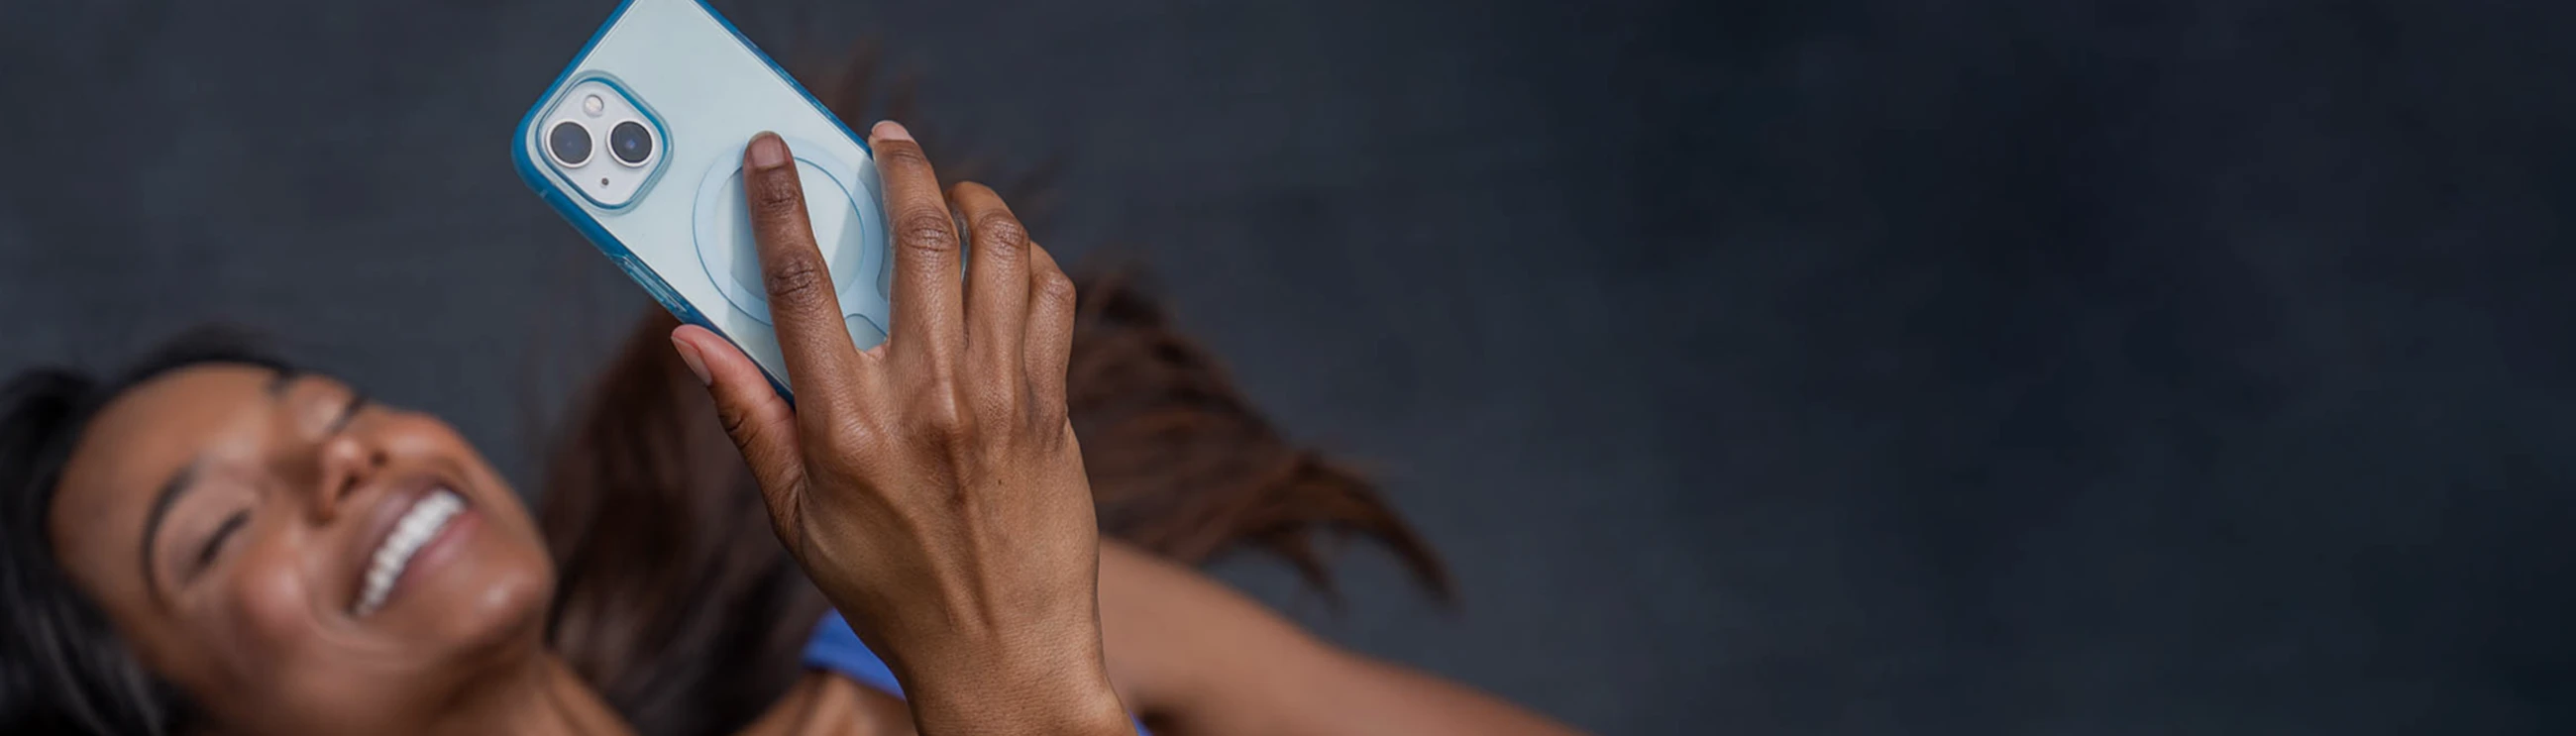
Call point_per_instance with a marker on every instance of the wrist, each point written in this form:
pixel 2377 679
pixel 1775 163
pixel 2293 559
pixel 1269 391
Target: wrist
pixel 1023 680
pixel 1016 691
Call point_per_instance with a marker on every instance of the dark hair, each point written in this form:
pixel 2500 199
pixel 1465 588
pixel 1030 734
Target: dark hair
pixel 63 669
pixel 1183 465
pixel 677 603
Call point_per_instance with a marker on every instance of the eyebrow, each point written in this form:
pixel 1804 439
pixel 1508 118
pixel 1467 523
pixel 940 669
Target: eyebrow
pixel 179 484
pixel 283 379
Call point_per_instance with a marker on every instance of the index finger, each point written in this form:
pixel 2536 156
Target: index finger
pixel 802 305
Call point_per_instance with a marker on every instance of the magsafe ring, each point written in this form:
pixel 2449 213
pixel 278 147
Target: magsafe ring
pixel 842 205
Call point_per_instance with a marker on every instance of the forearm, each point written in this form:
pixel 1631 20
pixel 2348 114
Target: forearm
pixel 1205 660
pixel 1351 694
pixel 1317 690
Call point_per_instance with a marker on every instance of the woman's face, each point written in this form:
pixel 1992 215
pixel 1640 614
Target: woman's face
pixel 295 558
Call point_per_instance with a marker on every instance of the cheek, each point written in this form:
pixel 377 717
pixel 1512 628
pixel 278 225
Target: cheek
pixel 289 665
pixel 270 616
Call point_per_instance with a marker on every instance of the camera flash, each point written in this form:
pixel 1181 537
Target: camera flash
pixel 592 104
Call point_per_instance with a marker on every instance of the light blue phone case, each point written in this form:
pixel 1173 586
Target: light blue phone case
pixel 684 235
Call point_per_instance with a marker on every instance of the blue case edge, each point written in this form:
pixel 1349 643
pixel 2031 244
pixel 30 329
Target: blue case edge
pixel 589 226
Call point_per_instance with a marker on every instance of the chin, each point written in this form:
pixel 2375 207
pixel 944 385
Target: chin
pixel 476 581
pixel 483 593
pixel 506 611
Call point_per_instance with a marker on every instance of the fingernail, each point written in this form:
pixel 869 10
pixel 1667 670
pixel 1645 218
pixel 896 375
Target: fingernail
pixel 891 130
pixel 767 150
pixel 689 355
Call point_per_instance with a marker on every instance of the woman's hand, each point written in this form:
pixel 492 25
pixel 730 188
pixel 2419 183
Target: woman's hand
pixel 930 486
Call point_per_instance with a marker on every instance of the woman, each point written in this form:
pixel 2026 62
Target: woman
pixel 217 543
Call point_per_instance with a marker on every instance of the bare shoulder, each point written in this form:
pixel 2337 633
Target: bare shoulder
pixel 825 703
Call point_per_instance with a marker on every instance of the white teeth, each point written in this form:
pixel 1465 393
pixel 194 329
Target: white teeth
pixel 418 525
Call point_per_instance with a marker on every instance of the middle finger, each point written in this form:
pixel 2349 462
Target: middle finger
pixel 927 315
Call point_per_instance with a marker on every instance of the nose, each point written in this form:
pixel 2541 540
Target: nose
pixel 347 461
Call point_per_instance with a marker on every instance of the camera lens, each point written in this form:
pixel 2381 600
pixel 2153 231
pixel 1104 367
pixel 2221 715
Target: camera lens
pixel 570 143
pixel 630 143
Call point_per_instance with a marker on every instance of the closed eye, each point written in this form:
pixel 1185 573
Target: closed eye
pixel 215 542
pixel 349 411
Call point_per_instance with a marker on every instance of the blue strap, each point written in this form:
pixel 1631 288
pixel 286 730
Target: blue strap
pixel 837 648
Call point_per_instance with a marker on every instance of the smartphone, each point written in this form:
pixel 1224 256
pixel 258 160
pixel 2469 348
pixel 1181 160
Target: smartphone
pixel 639 144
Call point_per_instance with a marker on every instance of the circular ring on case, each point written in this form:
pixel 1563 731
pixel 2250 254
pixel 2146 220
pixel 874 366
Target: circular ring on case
pixel 850 236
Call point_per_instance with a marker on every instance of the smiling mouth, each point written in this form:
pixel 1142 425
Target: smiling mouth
pixel 420 524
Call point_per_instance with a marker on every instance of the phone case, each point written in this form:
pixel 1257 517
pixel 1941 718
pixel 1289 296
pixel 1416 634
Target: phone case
pixel 684 235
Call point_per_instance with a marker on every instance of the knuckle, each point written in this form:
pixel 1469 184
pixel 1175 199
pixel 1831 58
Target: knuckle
pixel 796 279
pixel 925 229
pixel 1056 291
pixel 1001 233
pixel 941 415
pixel 1001 227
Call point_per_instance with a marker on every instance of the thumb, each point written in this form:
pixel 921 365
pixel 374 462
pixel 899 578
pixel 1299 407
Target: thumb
pixel 762 425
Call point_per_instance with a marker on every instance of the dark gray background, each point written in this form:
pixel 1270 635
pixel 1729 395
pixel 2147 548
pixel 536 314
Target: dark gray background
pixel 1822 367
